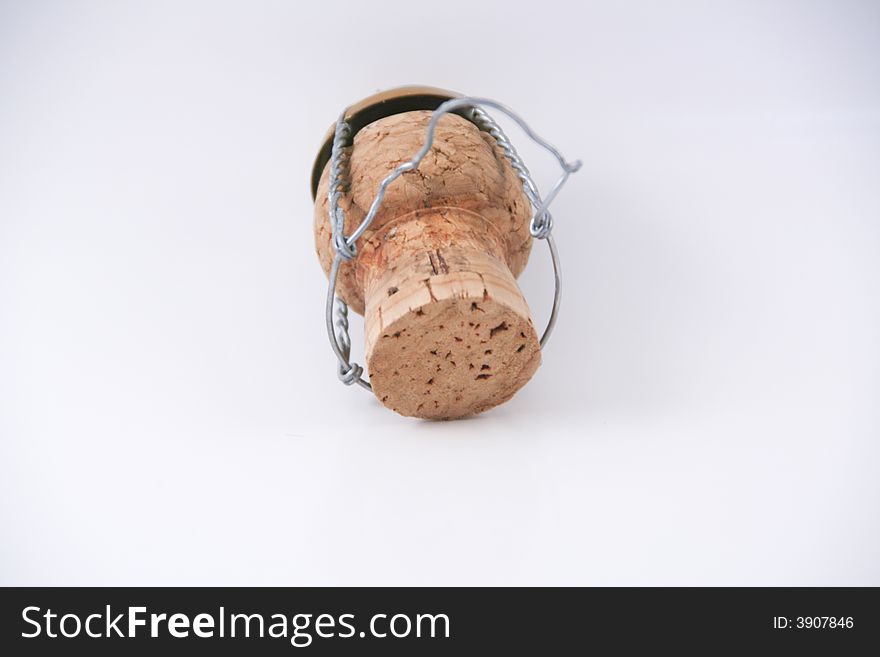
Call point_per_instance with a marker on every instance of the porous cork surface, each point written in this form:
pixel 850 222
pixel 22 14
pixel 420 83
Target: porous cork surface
pixel 417 370
pixel 448 332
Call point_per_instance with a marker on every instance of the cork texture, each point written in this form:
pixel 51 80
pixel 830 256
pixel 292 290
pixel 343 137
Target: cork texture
pixel 448 332
pixel 465 169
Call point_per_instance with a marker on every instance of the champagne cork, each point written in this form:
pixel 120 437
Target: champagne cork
pixel 448 332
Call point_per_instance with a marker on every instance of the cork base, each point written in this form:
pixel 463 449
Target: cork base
pixel 416 371
pixel 448 331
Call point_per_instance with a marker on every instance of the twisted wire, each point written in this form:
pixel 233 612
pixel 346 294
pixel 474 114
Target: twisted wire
pixel 336 309
pixel 487 124
pixel 339 157
pixel 348 372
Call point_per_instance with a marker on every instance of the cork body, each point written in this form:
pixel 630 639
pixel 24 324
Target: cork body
pixel 448 332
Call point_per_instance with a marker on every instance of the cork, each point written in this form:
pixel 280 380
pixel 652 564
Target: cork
pixel 448 332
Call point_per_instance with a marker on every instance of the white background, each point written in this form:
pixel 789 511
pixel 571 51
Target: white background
pixel 708 411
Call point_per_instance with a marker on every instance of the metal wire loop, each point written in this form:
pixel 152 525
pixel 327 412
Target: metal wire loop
pixel 540 226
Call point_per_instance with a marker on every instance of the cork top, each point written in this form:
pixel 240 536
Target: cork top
pixel 464 169
pixel 378 106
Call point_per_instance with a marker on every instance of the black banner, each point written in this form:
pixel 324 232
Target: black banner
pixel 114 621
